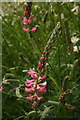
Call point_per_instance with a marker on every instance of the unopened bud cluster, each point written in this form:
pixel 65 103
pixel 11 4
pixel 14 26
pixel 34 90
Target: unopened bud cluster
pixel 62 99
pixel 70 107
pixel 44 57
pixel 65 94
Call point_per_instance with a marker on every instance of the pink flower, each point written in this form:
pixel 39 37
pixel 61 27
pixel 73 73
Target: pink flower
pixel 32 73
pixel 25 30
pixel 24 18
pixel 33 29
pixel 43 69
pixel 38 87
pixel 44 77
pixel 25 13
pixel 34 76
pixel 31 90
pixel 46 58
pixel 43 84
pixel 40 65
pixel 45 52
pixel 25 21
pixel 40 98
pixel 29 98
pixel 35 95
pixel 29 81
pixel 1 89
pixel 29 85
pixel 34 104
pixel 42 89
pixel 42 58
pixel 30 19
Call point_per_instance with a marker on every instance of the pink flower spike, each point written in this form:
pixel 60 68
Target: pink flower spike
pixel 43 84
pixel 44 77
pixel 1 89
pixel 25 30
pixel 29 98
pixel 40 98
pixel 33 29
pixel 34 104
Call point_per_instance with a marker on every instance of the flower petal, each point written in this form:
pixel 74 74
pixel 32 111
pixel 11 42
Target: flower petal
pixel 25 30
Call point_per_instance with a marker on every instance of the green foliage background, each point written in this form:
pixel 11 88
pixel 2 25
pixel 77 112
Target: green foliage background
pixel 22 51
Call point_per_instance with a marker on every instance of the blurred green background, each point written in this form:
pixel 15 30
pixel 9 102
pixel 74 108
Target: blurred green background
pixel 21 51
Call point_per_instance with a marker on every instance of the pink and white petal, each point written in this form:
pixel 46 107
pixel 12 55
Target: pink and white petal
pixel 43 84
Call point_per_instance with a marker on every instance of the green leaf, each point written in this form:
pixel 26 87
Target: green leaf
pixel 53 102
pixel 45 112
pixel 18 92
pixel 32 113
pixel 54 81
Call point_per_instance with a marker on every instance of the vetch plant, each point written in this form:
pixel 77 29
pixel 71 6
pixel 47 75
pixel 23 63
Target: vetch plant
pixel 36 86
